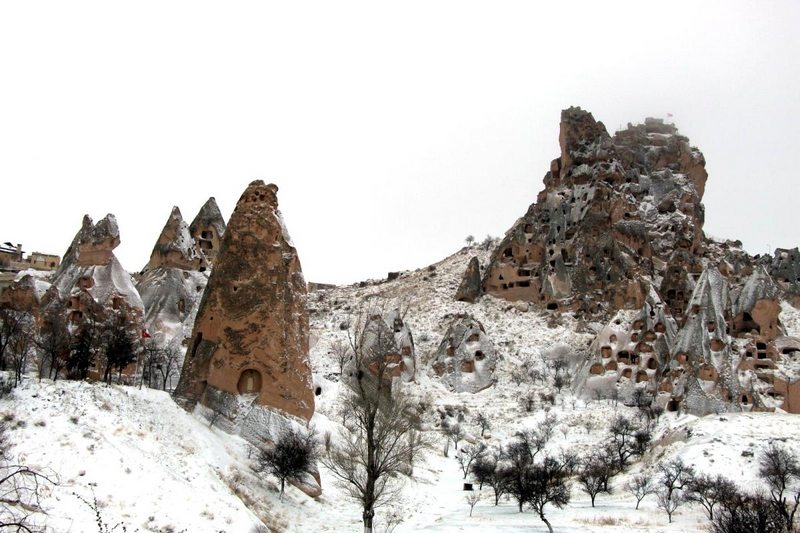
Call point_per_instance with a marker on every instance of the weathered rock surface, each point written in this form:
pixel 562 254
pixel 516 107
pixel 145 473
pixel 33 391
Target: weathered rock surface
pixel 175 247
pixel 387 346
pixel 614 212
pixel 630 351
pixel 25 294
pixel 172 284
pixel 471 286
pixel 466 358
pixel 91 274
pixel 784 267
pixel 91 285
pixel 207 229
pixel 730 352
pixel 248 358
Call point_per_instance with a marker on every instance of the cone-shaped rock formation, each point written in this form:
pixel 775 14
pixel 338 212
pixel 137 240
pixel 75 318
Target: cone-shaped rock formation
pixel 250 338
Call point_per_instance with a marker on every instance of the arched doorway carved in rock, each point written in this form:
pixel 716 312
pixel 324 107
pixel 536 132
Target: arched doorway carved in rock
pixel 249 381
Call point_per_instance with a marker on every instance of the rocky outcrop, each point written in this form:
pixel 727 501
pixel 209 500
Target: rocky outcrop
pixel 757 307
pixel 207 230
pixel 386 346
pixel 91 272
pixel 702 370
pixel 470 288
pixel 172 284
pixel 466 358
pixel 729 352
pixel 175 247
pixel 615 212
pixel 248 358
pixel 630 352
pixel 784 267
pixel 91 285
pixel 24 294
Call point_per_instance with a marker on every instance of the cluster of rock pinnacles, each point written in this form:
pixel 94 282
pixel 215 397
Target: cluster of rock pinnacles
pixel 616 234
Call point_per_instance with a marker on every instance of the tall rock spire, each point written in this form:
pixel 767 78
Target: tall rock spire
pixel 207 229
pixel 250 337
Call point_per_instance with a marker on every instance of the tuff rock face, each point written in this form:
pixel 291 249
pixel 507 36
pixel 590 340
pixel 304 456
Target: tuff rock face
pixel 470 288
pixel 248 358
pixel 466 358
pixel 207 230
pixel 24 294
pixel 784 267
pixel 172 285
pixel 175 247
pixel 388 346
pixel 728 354
pixel 614 211
pixel 91 273
pixel 91 284
pixel 630 351
pixel 617 231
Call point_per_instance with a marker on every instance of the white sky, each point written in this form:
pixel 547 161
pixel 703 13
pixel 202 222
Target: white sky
pixel 393 130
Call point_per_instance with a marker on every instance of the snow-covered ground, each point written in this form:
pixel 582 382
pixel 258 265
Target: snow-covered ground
pixel 156 468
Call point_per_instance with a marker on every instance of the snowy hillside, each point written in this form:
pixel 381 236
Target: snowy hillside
pixel 155 468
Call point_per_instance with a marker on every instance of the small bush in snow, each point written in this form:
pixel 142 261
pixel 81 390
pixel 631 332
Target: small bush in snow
pixel 290 458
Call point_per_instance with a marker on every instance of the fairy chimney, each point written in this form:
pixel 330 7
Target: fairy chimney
pixel 250 336
pixel 175 246
pixel 207 229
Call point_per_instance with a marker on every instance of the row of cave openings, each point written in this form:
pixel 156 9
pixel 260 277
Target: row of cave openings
pixel 468 365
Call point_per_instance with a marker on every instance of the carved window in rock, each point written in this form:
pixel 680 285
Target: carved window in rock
pixel 249 381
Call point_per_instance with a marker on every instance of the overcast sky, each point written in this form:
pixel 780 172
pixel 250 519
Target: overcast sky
pixel 393 130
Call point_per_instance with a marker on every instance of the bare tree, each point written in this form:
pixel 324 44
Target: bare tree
pixel 11 322
pixel 547 425
pixel 675 476
pixel 561 380
pixel 469 240
pixel 455 433
pixel 780 470
pixel 119 347
pixel 709 491
pixel 168 364
pixel 468 454
pixel 291 456
pixel 669 503
pixel 148 360
pixel 640 486
pixel 483 422
pixel 628 439
pixel 53 342
pixel 548 485
pixel 472 499
pixel 20 493
pixel 749 514
pixel 20 346
pixel 374 447
pixel 341 353
pixel 594 476
pixel 417 440
pixel 86 343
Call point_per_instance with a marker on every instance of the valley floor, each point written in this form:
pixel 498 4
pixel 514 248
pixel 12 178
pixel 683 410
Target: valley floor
pixel 154 467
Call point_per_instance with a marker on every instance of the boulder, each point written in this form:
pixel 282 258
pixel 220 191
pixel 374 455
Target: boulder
pixel 466 358
pixel 470 288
